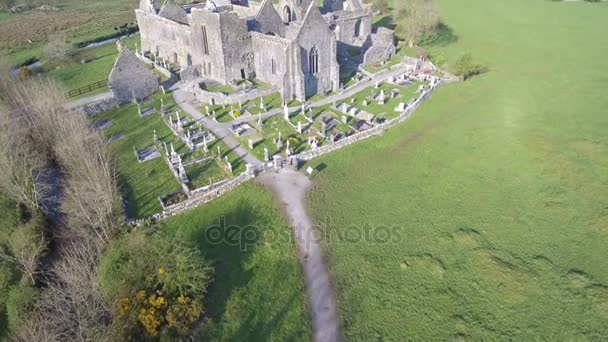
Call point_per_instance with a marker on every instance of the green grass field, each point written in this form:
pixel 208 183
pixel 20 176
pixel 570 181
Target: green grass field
pixel 23 35
pixel 495 191
pixel 258 290
pixel 73 74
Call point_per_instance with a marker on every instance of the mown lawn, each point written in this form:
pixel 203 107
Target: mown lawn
pixel 494 193
pixel 258 290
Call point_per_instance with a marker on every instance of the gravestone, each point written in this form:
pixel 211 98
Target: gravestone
pixel 402 106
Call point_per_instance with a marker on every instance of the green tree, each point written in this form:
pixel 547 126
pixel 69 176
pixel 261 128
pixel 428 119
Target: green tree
pixel 465 67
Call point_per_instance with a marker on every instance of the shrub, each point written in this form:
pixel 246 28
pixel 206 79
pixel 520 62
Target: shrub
pixel 18 303
pixel 155 285
pixel 8 277
pixel 466 68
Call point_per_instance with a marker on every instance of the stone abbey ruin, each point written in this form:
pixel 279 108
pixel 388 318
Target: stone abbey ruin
pixel 296 47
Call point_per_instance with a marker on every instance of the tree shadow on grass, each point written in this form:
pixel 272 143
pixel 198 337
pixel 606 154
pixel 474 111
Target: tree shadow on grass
pixel 240 303
pixel 443 35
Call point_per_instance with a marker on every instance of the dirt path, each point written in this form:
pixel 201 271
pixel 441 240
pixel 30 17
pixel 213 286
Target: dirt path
pixel 182 99
pixel 290 187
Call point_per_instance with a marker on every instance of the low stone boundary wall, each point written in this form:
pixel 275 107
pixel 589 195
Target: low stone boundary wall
pixel 202 197
pixel 94 108
pixel 223 99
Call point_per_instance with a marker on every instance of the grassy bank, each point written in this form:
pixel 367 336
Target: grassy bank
pixel 258 289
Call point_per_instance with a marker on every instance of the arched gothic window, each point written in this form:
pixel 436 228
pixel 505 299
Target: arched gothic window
pixel 274 67
pixel 313 61
pixel 289 15
pixel 205 40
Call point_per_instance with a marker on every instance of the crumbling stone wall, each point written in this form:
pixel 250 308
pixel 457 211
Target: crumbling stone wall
pixel 131 79
pixel 382 46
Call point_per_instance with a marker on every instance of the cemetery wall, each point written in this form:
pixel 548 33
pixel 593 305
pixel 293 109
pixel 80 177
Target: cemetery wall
pixel 199 198
pixel 223 99
pixel 100 106
pixel 377 130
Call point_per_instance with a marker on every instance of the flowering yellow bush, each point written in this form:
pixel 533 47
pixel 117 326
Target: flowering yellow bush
pixel 141 295
pixel 151 320
pixel 157 287
pixel 124 305
pixel 157 301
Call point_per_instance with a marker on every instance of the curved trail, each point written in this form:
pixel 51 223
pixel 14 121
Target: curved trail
pixel 290 188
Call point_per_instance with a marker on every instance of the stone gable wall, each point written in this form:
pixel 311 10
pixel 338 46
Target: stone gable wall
pixel 130 77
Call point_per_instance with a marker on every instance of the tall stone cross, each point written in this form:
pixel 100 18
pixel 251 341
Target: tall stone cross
pixel 286 111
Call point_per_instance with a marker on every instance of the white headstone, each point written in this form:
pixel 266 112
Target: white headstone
pixel 310 170
pixel 286 111
pixel 250 143
pixel 344 119
pixel 401 107
pixel 300 127
pixel 266 157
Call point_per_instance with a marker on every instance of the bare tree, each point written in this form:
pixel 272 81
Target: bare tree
pixel 91 200
pixel 58 48
pixel 416 18
pixel 20 162
pixel 70 308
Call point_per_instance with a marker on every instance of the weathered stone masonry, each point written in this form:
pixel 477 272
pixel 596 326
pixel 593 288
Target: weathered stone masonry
pixel 292 46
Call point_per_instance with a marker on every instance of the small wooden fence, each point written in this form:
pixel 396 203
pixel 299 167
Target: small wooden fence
pixel 88 88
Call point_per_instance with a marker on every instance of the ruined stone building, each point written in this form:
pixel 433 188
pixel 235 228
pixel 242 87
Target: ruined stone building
pixel 293 46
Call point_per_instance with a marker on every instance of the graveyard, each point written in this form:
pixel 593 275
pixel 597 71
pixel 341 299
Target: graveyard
pixel 178 154
pixel 146 179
